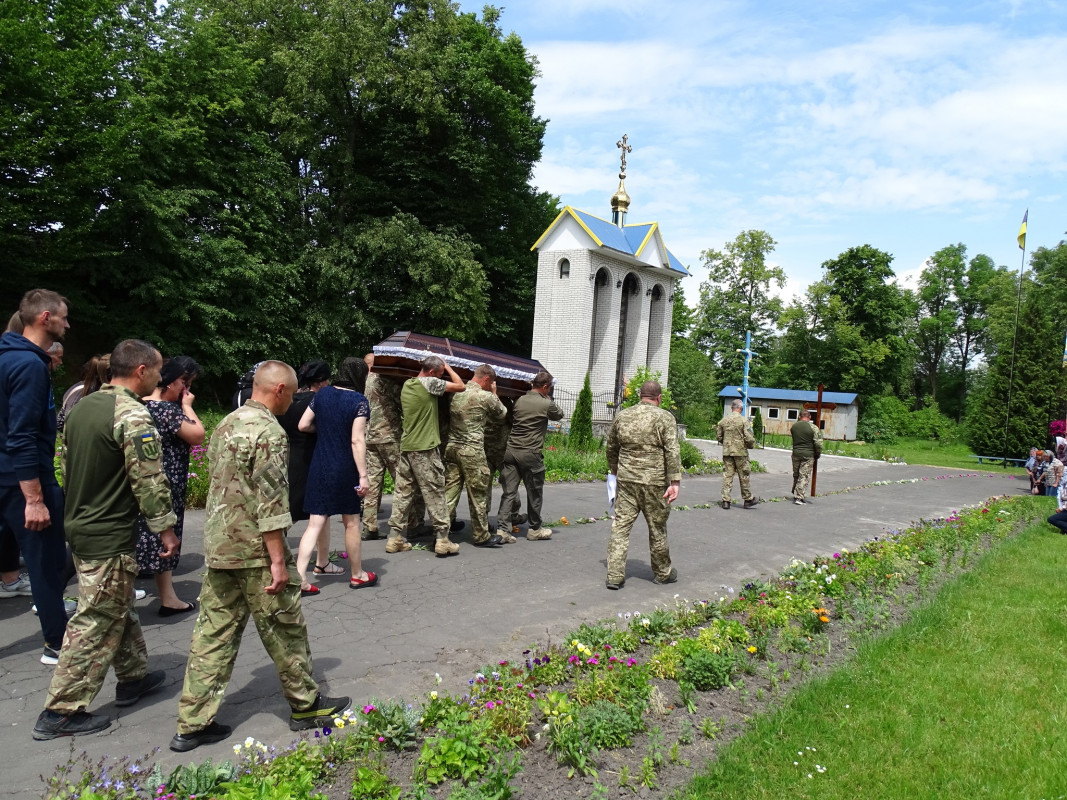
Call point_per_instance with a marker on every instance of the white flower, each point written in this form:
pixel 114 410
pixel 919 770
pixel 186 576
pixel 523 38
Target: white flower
pixel 646 621
pixel 249 741
pixel 237 749
pixel 437 677
pixel 433 695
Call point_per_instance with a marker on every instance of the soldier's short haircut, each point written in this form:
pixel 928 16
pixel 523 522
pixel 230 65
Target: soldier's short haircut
pixel 271 373
pixel 542 378
pixel 432 364
pixel 805 414
pixel 651 389
pixel 37 300
pixel 129 354
pixel 737 404
pixel 485 371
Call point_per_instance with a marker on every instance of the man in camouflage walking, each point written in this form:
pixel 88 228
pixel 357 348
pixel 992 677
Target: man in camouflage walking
pixel 112 470
pixel 465 461
pixel 734 433
pixel 642 448
pixel 383 448
pixel 807 447
pixel 250 570
pixel 420 468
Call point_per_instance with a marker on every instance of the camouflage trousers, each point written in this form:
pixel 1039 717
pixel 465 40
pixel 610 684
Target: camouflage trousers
pixel 465 466
pixel 630 498
pixel 802 475
pixel 104 632
pixel 420 471
pixel 227 599
pixel 527 467
pixel 382 458
pixel 732 465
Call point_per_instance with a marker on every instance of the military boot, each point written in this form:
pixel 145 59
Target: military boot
pixel 539 535
pixel 444 548
pixel 725 504
pixel 397 544
pixel 752 503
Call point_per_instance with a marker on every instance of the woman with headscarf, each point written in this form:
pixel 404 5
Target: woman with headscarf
pixel 337 479
pixel 180 429
pixel 311 377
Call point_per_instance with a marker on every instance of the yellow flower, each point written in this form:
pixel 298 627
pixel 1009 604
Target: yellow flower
pixel 433 695
pixel 752 649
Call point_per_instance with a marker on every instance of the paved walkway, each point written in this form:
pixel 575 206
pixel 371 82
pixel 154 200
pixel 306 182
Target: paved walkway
pixel 452 616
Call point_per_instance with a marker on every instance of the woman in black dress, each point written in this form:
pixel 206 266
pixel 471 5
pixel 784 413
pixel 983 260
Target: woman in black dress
pixel 337 479
pixel 171 406
pixel 311 377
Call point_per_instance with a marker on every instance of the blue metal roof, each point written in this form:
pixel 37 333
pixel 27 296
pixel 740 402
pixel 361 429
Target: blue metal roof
pixel 796 395
pixel 627 239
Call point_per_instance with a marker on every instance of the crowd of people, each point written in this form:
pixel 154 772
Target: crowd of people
pixel 282 453
pixel 1048 477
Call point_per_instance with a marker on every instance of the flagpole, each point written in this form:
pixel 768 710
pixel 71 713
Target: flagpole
pixel 1015 334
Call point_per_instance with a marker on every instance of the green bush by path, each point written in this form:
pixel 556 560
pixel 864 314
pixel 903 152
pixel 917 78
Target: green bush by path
pixel 965 700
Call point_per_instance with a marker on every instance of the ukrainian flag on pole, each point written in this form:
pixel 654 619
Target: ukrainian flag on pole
pixel 1022 231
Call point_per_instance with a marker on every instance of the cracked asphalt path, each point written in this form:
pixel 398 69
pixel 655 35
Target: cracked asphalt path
pixel 452 616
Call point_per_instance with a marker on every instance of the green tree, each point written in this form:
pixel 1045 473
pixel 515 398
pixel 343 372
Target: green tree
pixel 872 324
pixel 938 312
pixel 1019 393
pixel 735 298
pixel 1050 273
pixel 581 431
pixel 692 375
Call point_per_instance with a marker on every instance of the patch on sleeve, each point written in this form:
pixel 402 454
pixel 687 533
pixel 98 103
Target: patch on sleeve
pixel 273 481
pixel 147 446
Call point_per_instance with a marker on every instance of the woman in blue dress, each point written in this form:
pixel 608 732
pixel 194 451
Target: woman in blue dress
pixel 337 478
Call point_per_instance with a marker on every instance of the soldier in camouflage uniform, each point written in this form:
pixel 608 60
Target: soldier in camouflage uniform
pixel 734 433
pixel 642 449
pixel 465 462
pixel 807 447
pixel 383 449
pixel 250 570
pixel 112 470
pixel 420 468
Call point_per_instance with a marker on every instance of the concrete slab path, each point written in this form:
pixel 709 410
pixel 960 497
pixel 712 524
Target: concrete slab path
pixel 452 616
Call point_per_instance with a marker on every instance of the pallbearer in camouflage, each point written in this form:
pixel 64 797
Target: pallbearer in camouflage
pixel 807 446
pixel 734 433
pixel 420 468
pixel 112 470
pixel 642 450
pixel 250 570
pixel 496 445
pixel 465 462
pixel 383 448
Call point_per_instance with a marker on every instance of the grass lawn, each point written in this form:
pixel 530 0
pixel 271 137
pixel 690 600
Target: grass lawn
pixel 968 699
pixel 910 451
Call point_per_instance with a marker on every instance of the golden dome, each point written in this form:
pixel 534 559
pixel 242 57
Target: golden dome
pixel 620 201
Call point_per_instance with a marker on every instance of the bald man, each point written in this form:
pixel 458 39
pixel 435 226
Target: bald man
pixel 250 570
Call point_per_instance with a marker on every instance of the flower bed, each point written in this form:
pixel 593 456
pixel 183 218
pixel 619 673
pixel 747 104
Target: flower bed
pixel 626 702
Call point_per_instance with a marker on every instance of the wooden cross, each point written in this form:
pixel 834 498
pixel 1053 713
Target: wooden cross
pixel 625 149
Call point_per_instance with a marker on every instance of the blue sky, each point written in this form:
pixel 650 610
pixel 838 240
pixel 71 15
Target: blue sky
pixel 907 126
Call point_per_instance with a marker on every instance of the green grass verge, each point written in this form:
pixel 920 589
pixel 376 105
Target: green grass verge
pixel 967 699
pixel 911 451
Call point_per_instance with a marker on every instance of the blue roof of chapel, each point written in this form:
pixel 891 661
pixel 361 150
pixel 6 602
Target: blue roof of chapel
pixel 629 239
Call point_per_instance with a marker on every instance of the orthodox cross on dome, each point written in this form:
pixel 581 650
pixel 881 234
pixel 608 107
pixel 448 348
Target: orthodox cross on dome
pixel 625 149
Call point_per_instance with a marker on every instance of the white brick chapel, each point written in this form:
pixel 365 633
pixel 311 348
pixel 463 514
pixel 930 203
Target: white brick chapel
pixel 604 297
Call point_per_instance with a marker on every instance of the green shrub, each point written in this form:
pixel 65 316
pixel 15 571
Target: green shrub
pixel 581 432
pixel 705 670
pixel 757 423
pixel 607 726
pixel 691 455
pixel 631 394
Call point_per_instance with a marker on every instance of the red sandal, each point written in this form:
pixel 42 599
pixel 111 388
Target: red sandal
pixel 370 580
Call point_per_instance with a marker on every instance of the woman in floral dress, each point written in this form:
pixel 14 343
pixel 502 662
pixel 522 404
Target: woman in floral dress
pixel 171 406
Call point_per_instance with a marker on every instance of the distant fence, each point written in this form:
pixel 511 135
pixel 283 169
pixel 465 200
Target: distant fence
pixel 603 410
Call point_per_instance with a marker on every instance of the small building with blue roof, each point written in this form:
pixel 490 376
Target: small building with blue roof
pixel 605 291
pixel 780 408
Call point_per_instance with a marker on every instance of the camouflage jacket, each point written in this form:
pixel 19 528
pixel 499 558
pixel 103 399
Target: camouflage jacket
pixel 734 433
pixel 470 415
pixel 642 445
pixel 807 439
pixel 249 490
pixel 112 470
pixel 385 425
